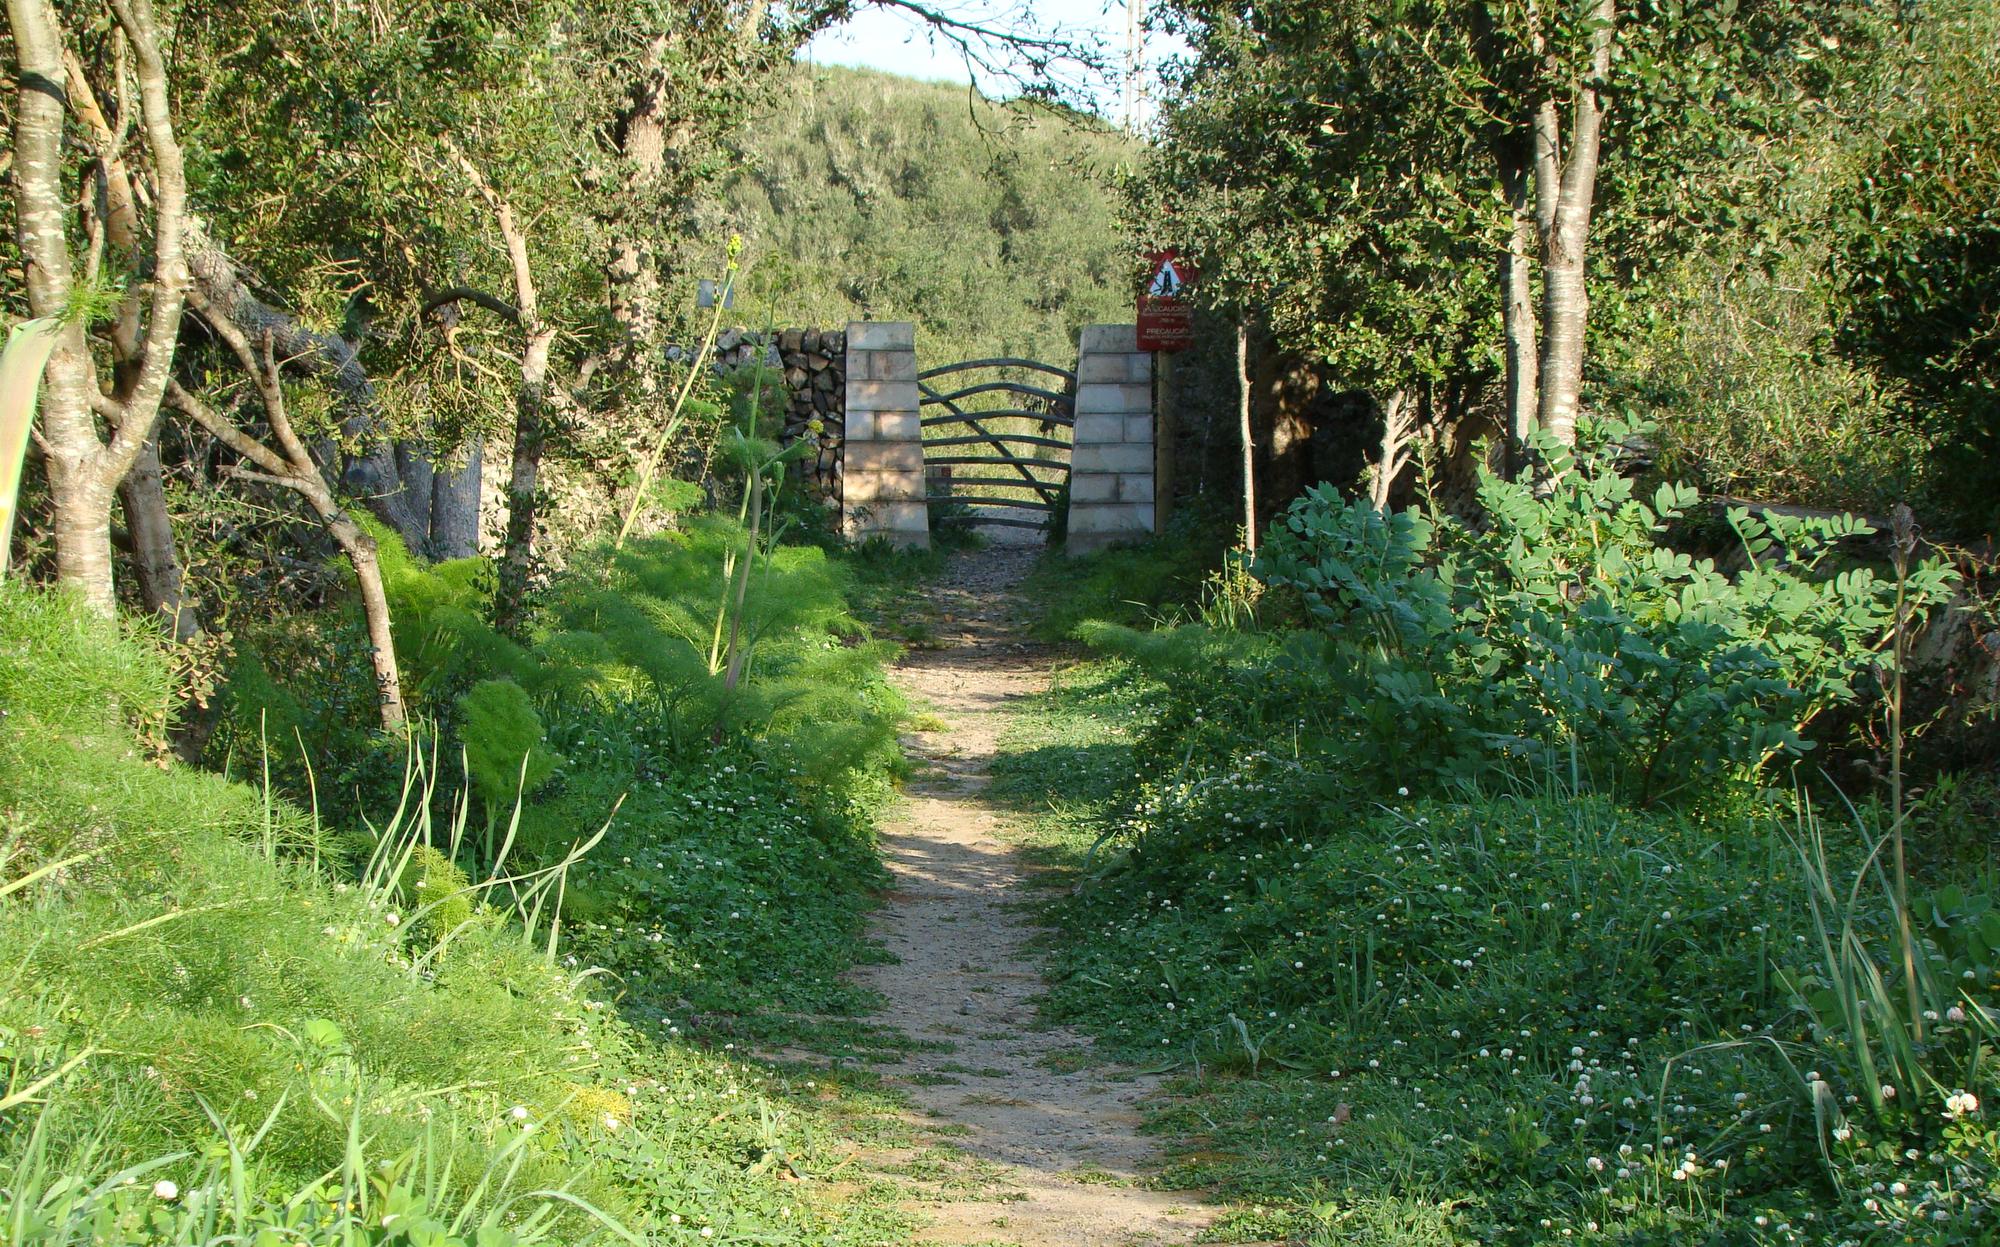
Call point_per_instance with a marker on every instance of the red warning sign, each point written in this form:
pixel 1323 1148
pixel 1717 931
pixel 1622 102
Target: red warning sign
pixel 1166 319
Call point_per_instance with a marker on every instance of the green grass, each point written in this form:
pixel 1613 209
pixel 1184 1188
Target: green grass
pixel 201 982
pixel 1459 1018
pixel 1135 585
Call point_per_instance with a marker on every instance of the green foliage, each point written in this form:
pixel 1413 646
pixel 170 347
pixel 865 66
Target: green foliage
pixel 1920 235
pixel 502 735
pixel 1348 170
pixel 201 994
pixel 58 664
pixel 867 196
pixel 1736 369
pixel 1130 584
pixel 1563 629
pixel 1527 1017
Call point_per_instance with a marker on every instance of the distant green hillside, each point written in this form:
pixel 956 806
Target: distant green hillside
pixel 992 226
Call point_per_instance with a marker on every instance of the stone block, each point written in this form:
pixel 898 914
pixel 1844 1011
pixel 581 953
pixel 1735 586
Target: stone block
pixel 1077 544
pixel 1116 517
pixel 912 516
pixel 897 520
pixel 1117 457
pixel 879 487
pixel 881 395
pixel 1139 429
pixel 881 335
pixel 1135 487
pixel 860 426
pixel 898 426
pixel 1100 339
pixel 1096 428
pixel 1092 487
pixel 880 456
pixel 891 366
pixel 1117 369
pixel 1130 398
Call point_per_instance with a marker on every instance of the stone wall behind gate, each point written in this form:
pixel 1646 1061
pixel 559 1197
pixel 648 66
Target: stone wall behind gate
pixel 814 362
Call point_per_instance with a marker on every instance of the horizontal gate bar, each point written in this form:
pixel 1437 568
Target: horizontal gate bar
pixel 1000 362
pixel 984 500
pixel 1067 422
pixel 990 438
pixel 989 387
pixel 1006 482
pixel 1000 521
pixel 973 461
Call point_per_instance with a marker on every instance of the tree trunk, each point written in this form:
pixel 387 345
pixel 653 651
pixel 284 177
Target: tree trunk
pixel 1398 424
pixel 1248 438
pixel 1565 290
pixel 360 550
pixel 517 561
pixel 156 564
pixel 455 499
pixel 84 468
pixel 1517 285
pixel 292 467
pixel 67 427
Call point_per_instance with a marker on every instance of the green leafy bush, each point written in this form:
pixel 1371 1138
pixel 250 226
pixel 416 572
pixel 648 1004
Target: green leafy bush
pixel 1564 625
pixel 502 736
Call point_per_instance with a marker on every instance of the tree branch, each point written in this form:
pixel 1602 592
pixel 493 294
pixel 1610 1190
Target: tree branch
pixel 170 270
pixel 469 294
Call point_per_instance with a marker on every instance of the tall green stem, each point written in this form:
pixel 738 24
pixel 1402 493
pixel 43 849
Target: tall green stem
pixel 1905 542
pixel 678 416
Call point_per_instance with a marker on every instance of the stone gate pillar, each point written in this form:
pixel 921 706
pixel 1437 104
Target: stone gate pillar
pixel 1111 479
pixel 883 470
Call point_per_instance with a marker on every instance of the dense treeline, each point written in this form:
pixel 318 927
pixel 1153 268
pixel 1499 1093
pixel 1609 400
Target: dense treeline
pixel 1762 225
pixel 865 196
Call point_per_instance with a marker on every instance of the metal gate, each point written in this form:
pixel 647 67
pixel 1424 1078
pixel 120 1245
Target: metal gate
pixel 977 441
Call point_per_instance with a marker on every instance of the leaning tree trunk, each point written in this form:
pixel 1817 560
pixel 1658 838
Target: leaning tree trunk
pixel 156 564
pixel 1565 244
pixel 359 547
pixel 292 466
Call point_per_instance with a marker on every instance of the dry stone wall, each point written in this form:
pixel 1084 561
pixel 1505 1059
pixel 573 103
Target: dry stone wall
pixel 814 362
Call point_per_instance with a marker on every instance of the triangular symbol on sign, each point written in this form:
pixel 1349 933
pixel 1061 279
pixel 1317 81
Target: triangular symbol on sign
pixel 1166 282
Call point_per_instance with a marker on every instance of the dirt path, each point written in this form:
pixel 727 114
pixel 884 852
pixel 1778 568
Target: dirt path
pixel 1051 1149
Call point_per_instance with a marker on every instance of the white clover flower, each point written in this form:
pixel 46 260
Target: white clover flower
pixel 1959 1103
pixel 165 1190
pixel 519 1112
